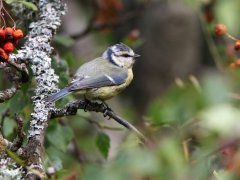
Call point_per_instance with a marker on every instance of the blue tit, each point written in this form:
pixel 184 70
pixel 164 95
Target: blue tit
pixel 103 77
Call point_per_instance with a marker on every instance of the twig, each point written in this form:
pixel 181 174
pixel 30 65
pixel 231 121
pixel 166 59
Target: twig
pixel 72 107
pixel 18 141
pixel 129 126
pixel 100 125
pixel 3 153
pixel 5 114
pixel 13 77
pixel 212 47
pixel 22 67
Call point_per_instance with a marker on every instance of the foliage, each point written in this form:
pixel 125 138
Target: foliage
pixel 27 4
pixel 194 126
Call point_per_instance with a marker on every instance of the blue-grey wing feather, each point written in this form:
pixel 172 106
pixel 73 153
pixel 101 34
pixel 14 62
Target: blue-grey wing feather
pixel 109 79
pixel 58 95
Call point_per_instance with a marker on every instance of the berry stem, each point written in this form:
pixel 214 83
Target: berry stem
pixel 231 37
pixel 14 24
pixel 1 17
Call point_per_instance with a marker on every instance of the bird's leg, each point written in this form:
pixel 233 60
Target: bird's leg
pixel 86 102
pixel 107 109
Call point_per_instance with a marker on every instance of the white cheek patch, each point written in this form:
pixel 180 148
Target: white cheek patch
pixel 117 60
pixel 129 59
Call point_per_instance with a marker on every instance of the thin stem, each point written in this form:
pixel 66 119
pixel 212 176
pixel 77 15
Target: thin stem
pixel 4 22
pixel 72 107
pixel 231 37
pixel 100 125
pixel 212 47
pixel 5 114
pixel 14 24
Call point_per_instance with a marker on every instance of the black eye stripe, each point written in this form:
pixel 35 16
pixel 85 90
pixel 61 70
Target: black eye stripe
pixel 126 55
pixel 123 55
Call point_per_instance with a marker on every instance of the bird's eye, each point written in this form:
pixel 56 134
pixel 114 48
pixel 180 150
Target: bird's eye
pixel 126 55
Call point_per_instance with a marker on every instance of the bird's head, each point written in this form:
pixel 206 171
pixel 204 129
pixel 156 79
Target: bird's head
pixel 120 55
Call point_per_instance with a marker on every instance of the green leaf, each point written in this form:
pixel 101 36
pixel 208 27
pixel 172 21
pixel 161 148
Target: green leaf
pixel 63 174
pixel 25 87
pixel 177 105
pixel 15 51
pixel 29 5
pixel 55 162
pixel 59 136
pixel 14 157
pixel 9 1
pixel 65 41
pixel 103 144
pixel 8 126
pixel 59 65
pixel 18 102
pixel 3 107
pixel 63 81
pixel 69 58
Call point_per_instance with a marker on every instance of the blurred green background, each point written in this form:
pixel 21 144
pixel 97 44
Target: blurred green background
pixel 184 96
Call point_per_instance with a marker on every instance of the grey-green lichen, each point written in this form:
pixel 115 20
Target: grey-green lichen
pixel 39 38
pixel 36 52
pixel 9 170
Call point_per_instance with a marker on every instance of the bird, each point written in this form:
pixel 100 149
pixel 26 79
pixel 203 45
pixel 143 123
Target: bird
pixel 102 78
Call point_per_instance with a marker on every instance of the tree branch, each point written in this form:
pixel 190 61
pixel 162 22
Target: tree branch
pixel 18 141
pixel 16 84
pixel 37 50
pixel 72 107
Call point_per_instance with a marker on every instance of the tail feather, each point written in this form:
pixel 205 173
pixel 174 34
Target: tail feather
pixel 58 95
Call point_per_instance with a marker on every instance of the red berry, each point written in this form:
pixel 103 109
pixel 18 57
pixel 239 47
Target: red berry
pixel 237 45
pixel 220 29
pixel 2 34
pixel 8 29
pixel 3 54
pixel 17 34
pixel 8 47
pixel 9 36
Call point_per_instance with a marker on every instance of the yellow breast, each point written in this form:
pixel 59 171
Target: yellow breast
pixel 105 93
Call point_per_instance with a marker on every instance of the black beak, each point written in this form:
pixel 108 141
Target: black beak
pixel 136 55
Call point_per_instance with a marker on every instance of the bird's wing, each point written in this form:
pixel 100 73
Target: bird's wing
pixel 115 76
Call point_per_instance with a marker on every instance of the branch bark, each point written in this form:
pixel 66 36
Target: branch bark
pixel 18 141
pixel 72 107
pixel 37 50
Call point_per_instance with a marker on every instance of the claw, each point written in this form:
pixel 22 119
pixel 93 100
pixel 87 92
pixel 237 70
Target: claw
pixel 107 109
pixel 87 101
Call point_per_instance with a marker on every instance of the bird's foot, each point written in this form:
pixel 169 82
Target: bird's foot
pixel 107 109
pixel 86 102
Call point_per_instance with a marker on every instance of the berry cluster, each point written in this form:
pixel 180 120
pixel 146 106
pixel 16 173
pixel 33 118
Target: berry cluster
pixel 8 39
pixel 220 30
